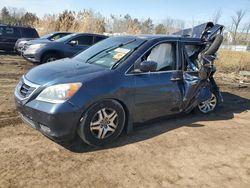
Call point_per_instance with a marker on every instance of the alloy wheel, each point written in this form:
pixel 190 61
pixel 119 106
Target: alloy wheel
pixel 208 105
pixel 51 59
pixel 104 123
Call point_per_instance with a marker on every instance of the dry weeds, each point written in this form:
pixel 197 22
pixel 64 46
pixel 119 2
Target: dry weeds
pixel 233 61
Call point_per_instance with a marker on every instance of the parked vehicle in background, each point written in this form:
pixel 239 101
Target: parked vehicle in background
pixel 45 51
pixel 122 80
pixel 23 43
pixel 10 34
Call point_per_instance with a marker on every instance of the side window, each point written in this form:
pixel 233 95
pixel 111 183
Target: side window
pixel 63 35
pixel 98 39
pixel 83 40
pixel 56 36
pixel 29 33
pixel 9 31
pixel 163 54
pixel 12 32
pixel 34 33
pixel 191 53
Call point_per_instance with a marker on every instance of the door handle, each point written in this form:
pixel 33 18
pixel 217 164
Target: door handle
pixel 175 79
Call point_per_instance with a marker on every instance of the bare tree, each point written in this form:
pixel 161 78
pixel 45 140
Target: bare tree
pixel 247 26
pixel 236 20
pixel 29 19
pixel 160 29
pixel 65 21
pixel 168 23
pixel 216 16
pixel 147 26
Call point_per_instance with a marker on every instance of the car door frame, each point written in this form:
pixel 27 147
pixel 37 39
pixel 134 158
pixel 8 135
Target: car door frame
pixel 178 70
pixel 194 74
pixel 182 48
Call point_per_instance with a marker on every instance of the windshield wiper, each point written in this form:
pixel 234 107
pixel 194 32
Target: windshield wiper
pixel 110 48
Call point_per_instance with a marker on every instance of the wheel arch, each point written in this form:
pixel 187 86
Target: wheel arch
pixel 128 127
pixel 57 52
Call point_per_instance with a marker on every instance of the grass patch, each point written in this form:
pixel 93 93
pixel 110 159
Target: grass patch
pixel 232 61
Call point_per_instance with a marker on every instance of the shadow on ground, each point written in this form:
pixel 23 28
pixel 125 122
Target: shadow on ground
pixel 233 104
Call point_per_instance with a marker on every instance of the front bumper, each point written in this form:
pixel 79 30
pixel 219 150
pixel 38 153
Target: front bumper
pixel 56 122
pixel 18 50
pixel 31 57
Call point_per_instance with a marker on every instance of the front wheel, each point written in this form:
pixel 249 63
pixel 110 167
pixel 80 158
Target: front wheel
pixel 208 105
pixel 49 57
pixel 102 123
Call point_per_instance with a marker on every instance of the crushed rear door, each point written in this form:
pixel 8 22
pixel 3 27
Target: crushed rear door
pixel 197 87
pixel 203 31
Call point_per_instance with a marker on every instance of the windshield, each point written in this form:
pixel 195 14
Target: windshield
pixel 110 52
pixel 47 36
pixel 66 38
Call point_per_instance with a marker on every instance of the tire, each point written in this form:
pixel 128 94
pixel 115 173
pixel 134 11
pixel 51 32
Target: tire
pixel 209 105
pixel 215 45
pixel 48 57
pixel 102 123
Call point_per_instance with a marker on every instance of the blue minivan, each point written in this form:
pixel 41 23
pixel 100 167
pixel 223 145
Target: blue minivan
pixel 121 80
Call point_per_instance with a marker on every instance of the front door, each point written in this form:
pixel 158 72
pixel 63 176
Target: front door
pixel 157 93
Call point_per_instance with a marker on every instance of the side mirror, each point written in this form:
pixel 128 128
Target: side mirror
pixel 73 43
pixel 148 66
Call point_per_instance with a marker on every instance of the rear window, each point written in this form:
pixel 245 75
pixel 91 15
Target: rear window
pixel 29 33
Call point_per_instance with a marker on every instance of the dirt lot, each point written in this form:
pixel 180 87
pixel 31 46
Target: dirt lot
pixel 189 151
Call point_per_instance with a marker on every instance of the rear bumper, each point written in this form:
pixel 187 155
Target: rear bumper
pixel 58 126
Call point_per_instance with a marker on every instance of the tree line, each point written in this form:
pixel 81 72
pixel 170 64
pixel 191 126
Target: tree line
pixel 88 20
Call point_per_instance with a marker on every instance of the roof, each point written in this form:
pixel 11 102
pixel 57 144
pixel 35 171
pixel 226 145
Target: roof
pixel 20 26
pixel 54 32
pixel 94 34
pixel 164 37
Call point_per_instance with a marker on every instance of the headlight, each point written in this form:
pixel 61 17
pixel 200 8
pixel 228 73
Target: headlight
pixel 59 93
pixel 20 44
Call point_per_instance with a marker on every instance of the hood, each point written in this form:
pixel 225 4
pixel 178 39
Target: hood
pixel 38 41
pixel 26 39
pixel 64 71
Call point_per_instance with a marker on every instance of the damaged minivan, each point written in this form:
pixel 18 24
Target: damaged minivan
pixel 121 80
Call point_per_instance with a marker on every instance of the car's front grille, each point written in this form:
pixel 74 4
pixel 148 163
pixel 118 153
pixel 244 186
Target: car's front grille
pixel 24 89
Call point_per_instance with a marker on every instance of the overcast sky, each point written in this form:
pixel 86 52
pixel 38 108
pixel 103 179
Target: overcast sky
pixel 186 10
